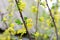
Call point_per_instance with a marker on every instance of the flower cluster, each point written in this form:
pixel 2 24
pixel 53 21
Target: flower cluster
pixel 29 23
pixel 22 31
pixel 21 5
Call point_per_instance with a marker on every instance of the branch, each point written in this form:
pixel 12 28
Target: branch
pixel 23 20
pixel 53 20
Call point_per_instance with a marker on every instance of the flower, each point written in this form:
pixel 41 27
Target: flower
pixel 41 19
pixel 48 22
pixel 19 31
pixel 21 5
pixel 12 25
pixel 22 31
pixel 29 25
pixel 11 30
pixel 10 14
pixel 29 20
pixel 4 18
pixel 34 9
pixel 36 34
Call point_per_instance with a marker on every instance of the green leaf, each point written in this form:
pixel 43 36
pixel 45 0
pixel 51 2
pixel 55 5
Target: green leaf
pixel 18 21
pixel 42 4
pixel 53 7
pixel 51 24
pixel 25 18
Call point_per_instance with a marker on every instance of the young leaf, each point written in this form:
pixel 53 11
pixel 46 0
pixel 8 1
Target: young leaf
pixel 18 21
pixel 25 18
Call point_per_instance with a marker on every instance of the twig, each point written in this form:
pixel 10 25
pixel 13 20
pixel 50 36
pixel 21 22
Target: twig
pixel 53 20
pixel 23 20
pixel 3 21
pixel 37 15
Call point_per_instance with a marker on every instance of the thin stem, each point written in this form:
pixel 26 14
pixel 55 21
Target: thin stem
pixel 53 20
pixel 1 16
pixel 23 20
pixel 37 15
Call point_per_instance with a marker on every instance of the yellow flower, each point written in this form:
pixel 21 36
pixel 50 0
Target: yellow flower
pixel 41 19
pixel 12 25
pixel 6 32
pixel 22 5
pixel 4 19
pixel 11 13
pixel 22 30
pixel 19 31
pixel 29 25
pixel 29 20
pixel 10 29
pixel 36 34
pixel 48 22
pixel 34 9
